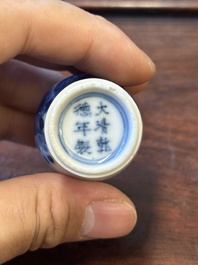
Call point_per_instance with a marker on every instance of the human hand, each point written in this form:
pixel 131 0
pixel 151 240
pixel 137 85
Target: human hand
pixel 44 210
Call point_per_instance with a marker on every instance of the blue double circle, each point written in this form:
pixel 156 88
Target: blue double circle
pixel 126 123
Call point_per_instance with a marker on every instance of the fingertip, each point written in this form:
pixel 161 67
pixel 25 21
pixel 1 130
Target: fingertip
pixel 100 219
pixel 132 90
pixel 114 56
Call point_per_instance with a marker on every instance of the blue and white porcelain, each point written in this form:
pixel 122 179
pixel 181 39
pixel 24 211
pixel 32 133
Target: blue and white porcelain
pixel 89 128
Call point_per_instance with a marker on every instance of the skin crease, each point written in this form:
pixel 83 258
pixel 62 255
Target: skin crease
pixel 50 35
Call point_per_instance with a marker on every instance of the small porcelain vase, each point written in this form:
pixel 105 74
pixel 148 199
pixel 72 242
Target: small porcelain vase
pixel 87 127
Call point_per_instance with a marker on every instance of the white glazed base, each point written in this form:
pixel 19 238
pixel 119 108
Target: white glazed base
pixel 88 138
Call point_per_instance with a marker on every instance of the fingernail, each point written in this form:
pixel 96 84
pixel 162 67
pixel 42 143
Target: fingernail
pixel 152 65
pixel 108 220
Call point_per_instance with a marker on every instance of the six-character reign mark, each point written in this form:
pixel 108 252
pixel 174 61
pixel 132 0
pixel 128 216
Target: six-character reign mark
pixel 83 146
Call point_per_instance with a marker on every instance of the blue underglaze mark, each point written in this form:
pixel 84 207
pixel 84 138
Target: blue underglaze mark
pixel 103 143
pixel 102 125
pixel 102 109
pixel 82 127
pixel 82 147
pixel 82 110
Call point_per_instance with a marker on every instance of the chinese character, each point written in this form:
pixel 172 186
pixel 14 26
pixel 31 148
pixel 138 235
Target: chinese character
pixel 102 108
pixel 102 125
pixel 103 144
pixel 82 127
pixel 82 147
pixel 82 109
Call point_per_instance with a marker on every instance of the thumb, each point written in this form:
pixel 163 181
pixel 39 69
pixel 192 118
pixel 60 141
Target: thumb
pixel 44 210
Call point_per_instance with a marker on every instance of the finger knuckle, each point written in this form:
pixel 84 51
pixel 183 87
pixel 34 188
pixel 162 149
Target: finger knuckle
pixel 51 218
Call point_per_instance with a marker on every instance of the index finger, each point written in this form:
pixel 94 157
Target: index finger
pixel 58 32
